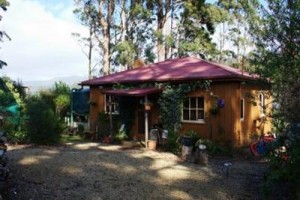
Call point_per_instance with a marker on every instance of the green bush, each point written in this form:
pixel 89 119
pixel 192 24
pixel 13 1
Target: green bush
pixel 80 129
pixel 44 127
pixel 284 155
pixel 214 148
pixel 15 130
pixel 18 137
pixel 172 144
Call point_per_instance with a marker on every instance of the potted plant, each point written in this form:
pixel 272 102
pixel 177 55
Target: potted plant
pixel 153 136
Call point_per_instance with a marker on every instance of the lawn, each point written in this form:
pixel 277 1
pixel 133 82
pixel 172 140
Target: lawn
pixel 96 171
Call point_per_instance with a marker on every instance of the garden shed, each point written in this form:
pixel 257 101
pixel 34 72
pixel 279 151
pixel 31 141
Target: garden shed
pixel 232 110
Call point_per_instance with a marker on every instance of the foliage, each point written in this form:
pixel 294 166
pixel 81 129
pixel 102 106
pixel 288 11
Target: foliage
pixel 127 112
pixel 238 17
pixel 15 131
pixel 104 125
pixel 196 26
pixel 277 58
pixel 213 147
pixel 72 138
pixel 62 103
pixel 121 135
pixel 59 98
pixel 171 101
pixel 126 30
pixel 11 92
pixel 12 96
pixel 44 127
pixel 284 155
pixel 172 144
pixel 126 53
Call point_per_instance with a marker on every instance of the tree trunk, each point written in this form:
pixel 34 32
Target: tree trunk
pixel 162 14
pixel 105 24
pixel 123 20
pixel 90 52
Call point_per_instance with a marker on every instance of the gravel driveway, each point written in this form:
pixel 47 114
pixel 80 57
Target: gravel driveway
pixel 93 171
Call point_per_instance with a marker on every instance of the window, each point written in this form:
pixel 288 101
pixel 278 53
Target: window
pixel 262 103
pixel 114 104
pixel 242 111
pixel 193 109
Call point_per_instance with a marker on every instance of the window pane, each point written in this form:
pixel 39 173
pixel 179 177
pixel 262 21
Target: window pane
pixel 193 115
pixel 116 106
pixel 193 102
pixel 200 102
pixel 186 103
pixel 113 108
pixel 200 114
pixel 186 114
pixel 242 108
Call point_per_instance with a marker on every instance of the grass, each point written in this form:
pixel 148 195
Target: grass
pixel 72 138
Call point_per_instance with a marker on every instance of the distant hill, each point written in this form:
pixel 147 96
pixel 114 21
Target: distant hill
pixel 35 86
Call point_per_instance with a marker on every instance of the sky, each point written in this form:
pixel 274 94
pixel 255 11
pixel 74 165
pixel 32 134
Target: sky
pixel 42 46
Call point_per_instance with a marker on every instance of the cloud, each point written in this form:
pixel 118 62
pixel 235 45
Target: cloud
pixel 42 46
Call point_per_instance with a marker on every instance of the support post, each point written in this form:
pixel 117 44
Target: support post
pixel 146 124
pixel 110 116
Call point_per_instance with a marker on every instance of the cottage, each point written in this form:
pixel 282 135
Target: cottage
pixel 232 110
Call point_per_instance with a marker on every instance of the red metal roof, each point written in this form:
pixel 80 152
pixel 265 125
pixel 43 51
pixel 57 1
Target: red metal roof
pixel 179 69
pixel 132 92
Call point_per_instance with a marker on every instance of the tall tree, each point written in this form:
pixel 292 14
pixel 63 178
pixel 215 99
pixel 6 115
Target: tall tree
pixel 161 10
pixel 105 11
pixel 100 13
pixel 196 27
pixel 85 12
pixel 278 60
pixel 239 15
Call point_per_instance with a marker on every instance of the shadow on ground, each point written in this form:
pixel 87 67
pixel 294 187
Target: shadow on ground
pixel 96 171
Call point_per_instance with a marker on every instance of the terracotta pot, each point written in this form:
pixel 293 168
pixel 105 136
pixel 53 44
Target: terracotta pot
pixel 152 144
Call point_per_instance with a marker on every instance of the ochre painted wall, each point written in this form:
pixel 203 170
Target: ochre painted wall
pixel 225 127
pixel 256 121
pixel 96 106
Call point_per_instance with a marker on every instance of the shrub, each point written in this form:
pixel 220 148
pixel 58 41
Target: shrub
pixel 44 127
pixel 284 155
pixel 172 144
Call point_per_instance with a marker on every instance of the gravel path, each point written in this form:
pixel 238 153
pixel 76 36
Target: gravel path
pixel 95 171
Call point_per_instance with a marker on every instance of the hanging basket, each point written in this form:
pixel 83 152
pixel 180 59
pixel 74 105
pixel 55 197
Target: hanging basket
pixel 148 106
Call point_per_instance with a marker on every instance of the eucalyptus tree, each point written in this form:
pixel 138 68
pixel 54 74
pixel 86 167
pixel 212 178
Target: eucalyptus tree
pixel 85 12
pixel 99 17
pixel 277 59
pixel 239 15
pixel 161 11
pixel 278 53
pixel 197 25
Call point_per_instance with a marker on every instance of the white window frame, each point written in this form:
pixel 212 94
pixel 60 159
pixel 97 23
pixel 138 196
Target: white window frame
pixel 242 109
pixel 114 105
pixel 198 121
pixel 262 103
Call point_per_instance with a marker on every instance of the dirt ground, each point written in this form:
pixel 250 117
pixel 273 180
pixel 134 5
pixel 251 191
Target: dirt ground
pixel 96 171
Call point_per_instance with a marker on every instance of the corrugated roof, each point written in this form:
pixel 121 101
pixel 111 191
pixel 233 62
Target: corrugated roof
pixel 179 69
pixel 133 92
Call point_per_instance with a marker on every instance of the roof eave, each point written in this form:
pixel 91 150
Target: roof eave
pixel 183 79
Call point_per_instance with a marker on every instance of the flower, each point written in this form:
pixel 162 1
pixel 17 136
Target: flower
pixel 220 103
